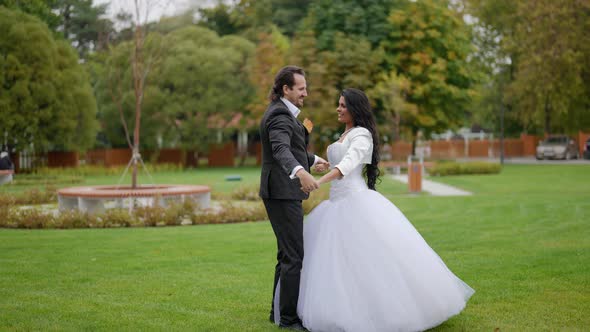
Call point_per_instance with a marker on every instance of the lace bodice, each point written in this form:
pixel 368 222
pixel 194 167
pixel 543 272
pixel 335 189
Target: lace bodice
pixel 350 156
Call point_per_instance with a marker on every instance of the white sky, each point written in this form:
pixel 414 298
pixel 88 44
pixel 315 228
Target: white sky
pixel 155 8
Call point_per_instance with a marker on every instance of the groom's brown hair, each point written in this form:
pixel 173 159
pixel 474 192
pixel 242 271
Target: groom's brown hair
pixel 285 76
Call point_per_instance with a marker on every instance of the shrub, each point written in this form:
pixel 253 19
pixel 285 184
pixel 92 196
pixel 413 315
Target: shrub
pixel 117 218
pixel 231 213
pixel 172 214
pixel 7 216
pixel 29 197
pixel 150 215
pixel 32 219
pixel 75 219
pixel 454 168
pixel 246 193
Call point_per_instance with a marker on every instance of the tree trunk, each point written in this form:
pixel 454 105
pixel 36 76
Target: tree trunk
pixel 396 122
pixel 547 117
pixel 67 16
pixel 138 86
pixel 414 138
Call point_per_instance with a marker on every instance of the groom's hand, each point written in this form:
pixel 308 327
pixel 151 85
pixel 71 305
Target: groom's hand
pixel 308 182
pixel 321 165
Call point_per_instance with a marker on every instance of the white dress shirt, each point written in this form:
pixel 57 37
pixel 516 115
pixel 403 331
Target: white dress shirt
pixel 295 111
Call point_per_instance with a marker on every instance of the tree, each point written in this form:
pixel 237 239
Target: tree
pixel 429 45
pixel 112 78
pixel 269 57
pixel 252 17
pixel 200 78
pixel 551 39
pixel 322 97
pixel 218 19
pixel 288 14
pixel 249 16
pixel 42 9
pixel 45 98
pixel 389 95
pixel 366 19
pixel 203 78
pixel 83 23
pixel 329 72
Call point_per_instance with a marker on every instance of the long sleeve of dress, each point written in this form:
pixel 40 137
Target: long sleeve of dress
pixel 359 152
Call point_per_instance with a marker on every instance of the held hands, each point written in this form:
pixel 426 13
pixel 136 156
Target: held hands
pixel 308 182
pixel 322 165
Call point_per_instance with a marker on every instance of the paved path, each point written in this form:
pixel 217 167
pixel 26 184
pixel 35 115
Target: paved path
pixel 435 188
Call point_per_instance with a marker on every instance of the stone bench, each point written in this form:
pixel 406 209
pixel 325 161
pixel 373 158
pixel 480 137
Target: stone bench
pixel 93 199
pixel 6 176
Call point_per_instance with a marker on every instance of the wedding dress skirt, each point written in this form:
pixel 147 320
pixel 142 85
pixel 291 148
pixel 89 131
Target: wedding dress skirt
pixel 366 268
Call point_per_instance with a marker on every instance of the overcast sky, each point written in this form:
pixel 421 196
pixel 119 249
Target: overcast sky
pixel 157 8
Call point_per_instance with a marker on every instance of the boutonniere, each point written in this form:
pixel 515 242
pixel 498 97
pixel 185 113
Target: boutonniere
pixel 308 125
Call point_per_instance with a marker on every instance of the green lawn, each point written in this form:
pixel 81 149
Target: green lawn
pixel 214 177
pixel 522 241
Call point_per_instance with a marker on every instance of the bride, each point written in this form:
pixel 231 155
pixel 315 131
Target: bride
pixel 366 268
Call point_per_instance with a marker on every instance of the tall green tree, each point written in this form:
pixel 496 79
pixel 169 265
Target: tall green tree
pixel 203 78
pixel 112 76
pixel 428 46
pixel 390 98
pixel 551 39
pixel 39 8
pixel 333 70
pixel 200 79
pixel 320 104
pixel 247 16
pixel 288 14
pixel 84 24
pixel 368 19
pixel 219 19
pixel 45 97
pixel 269 57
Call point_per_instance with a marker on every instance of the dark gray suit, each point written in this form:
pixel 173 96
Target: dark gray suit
pixel 284 146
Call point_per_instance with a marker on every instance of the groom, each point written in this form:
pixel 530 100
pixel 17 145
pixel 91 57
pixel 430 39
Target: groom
pixel 284 182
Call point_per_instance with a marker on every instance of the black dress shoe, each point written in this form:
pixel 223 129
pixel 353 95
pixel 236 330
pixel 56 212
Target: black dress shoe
pixel 295 327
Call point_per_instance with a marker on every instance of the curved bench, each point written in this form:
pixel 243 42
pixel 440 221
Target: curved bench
pixel 97 198
pixel 6 175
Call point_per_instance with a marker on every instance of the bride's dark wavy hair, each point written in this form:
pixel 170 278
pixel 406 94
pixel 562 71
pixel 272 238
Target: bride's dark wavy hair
pixel 359 108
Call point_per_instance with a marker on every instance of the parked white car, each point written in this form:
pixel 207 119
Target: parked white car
pixel 557 147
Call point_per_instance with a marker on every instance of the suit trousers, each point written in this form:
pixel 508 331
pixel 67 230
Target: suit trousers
pixel 286 218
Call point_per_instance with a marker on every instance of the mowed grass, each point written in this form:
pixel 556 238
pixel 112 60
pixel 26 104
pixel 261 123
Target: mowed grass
pixel 213 177
pixel 522 242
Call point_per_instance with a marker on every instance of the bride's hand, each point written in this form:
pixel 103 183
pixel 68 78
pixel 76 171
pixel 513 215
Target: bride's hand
pixel 321 167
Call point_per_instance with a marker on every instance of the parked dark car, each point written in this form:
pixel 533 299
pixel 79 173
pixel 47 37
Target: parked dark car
pixel 587 149
pixel 557 147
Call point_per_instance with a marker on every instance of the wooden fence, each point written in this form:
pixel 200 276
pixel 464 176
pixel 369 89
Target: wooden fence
pixel 224 155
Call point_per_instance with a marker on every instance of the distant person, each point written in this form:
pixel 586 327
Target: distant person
pixel 5 162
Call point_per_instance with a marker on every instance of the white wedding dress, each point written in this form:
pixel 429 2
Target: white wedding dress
pixel 366 268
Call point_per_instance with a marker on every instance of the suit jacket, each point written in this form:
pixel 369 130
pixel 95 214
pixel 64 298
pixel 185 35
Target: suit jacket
pixel 284 146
